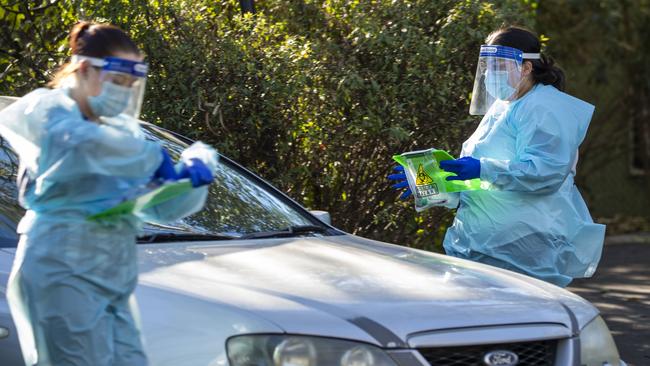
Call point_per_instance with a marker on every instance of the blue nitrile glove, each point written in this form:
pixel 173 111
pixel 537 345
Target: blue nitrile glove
pixel 464 168
pixel 400 177
pixel 166 169
pixel 198 173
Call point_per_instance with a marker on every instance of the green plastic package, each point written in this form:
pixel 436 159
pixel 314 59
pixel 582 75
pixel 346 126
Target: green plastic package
pixel 428 182
pixel 152 198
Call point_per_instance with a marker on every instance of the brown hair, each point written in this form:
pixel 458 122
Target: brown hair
pixel 94 40
pixel 544 69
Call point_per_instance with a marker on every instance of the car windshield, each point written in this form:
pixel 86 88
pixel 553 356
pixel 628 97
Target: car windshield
pixel 239 204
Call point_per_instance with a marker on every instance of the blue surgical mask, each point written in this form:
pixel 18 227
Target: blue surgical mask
pixel 497 85
pixel 112 101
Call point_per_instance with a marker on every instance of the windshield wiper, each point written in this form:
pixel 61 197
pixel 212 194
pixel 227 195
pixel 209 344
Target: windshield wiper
pixel 288 232
pixel 171 237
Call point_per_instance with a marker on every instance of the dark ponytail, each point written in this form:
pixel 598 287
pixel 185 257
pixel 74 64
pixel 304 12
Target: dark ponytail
pixel 545 72
pixel 76 33
pixel 95 40
pixel 544 69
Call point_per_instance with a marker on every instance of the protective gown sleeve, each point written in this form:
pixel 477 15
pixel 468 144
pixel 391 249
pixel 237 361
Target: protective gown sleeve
pixel 22 123
pixel 78 148
pixel 191 202
pixel 546 148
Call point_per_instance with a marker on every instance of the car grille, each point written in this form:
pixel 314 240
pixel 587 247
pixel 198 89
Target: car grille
pixel 530 354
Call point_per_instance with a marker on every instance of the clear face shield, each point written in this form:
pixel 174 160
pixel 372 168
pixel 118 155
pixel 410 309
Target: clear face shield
pixel 498 76
pixel 122 86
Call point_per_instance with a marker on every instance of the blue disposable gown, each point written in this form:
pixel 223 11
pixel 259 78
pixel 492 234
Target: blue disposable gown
pixel 534 220
pixel 70 291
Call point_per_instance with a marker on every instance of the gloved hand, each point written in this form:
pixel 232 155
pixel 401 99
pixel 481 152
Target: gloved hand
pixel 400 177
pixel 166 169
pixel 464 168
pixel 198 173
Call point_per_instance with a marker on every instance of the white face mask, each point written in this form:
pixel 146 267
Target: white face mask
pixel 112 101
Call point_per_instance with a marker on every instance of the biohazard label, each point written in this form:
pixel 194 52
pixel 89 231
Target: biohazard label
pixel 422 178
pixel 424 184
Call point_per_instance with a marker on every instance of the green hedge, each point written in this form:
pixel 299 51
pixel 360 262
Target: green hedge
pixel 315 96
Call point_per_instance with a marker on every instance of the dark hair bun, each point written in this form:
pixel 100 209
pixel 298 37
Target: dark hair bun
pixel 545 72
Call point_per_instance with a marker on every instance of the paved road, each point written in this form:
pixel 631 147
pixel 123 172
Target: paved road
pixel 621 290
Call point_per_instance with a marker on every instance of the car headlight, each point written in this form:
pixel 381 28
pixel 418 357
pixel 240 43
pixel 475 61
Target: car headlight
pixel 288 350
pixel 597 347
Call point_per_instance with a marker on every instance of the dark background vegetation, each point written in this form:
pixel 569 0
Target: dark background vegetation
pixel 316 96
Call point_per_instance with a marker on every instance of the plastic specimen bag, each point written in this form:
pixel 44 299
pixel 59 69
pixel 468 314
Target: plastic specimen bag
pixel 145 201
pixel 428 182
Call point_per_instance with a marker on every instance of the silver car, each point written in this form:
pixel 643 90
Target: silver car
pixel 257 280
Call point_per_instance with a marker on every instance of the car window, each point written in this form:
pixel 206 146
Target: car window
pixel 10 210
pixel 238 202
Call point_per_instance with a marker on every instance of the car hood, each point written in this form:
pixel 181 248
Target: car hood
pixel 346 286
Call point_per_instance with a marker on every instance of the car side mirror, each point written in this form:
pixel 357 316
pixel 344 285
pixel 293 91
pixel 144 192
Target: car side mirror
pixel 323 216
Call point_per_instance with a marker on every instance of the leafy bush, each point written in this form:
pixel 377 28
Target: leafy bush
pixel 313 95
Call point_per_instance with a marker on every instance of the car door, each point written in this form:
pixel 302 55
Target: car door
pixel 10 214
pixel 9 346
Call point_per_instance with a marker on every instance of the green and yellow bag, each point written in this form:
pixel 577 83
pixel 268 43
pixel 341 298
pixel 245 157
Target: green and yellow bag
pixel 428 182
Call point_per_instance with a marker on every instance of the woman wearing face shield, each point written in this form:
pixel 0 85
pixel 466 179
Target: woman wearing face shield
pixel 533 219
pixel 81 148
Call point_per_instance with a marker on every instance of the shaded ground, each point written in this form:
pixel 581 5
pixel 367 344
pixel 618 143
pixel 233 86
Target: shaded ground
pixel 621 290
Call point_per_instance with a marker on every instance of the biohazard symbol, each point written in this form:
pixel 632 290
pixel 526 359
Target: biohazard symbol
pixel 422 177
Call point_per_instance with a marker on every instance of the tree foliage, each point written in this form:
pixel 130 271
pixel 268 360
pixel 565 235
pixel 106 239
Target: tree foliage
pixel 315 96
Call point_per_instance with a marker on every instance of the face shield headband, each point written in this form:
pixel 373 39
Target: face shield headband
pixel 123 84
pixel 498 76
pixel 115 64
